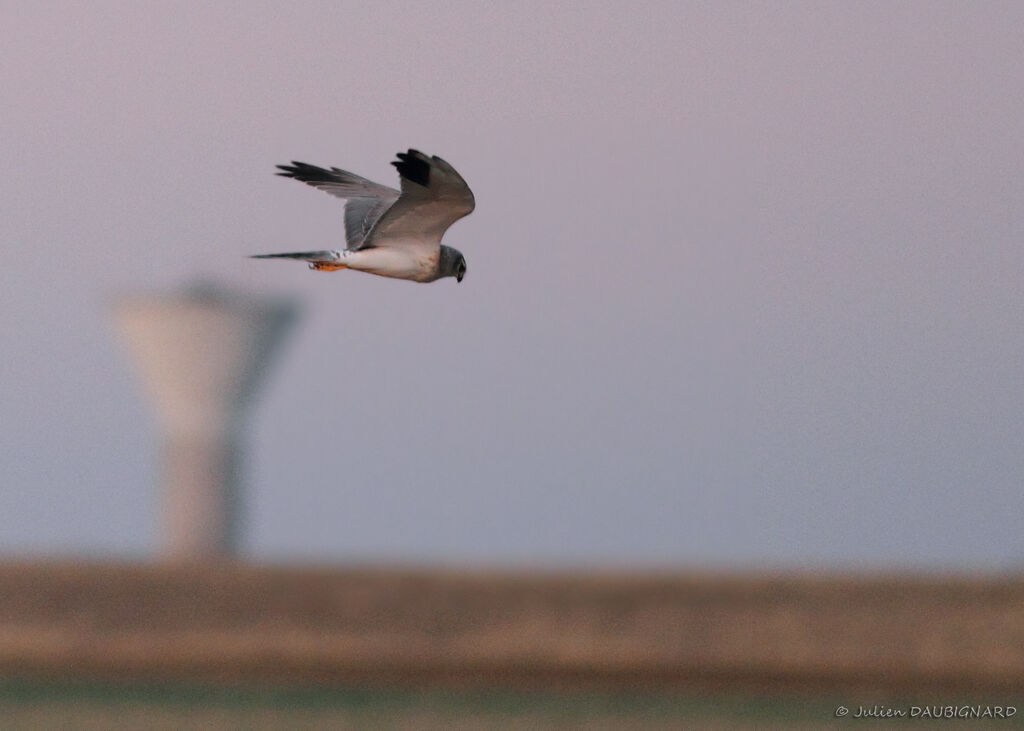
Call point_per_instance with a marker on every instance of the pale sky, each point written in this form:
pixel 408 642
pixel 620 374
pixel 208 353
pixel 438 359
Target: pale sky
pixel 745 280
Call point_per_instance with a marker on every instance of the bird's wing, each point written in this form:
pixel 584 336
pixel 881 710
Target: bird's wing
pixel 434 196
pixel 365 201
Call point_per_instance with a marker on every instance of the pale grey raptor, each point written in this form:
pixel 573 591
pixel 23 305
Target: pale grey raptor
pixel 388 232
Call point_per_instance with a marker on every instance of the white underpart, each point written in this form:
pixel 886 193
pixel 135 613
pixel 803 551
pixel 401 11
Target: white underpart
pixel 400 259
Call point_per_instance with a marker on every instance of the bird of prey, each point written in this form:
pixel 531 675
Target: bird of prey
pixel 388 232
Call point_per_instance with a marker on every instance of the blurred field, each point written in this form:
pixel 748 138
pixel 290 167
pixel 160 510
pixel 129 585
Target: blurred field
pixel 133 706
pixel 242 646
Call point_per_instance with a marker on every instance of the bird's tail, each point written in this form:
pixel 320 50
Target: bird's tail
pixel 326 260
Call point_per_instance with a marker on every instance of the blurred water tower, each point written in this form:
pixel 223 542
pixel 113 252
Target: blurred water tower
pixel 202 354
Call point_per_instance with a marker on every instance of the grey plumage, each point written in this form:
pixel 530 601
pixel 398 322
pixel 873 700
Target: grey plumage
pixel 365 201
pixel 451 263
pixel 324 255
pixel 388 232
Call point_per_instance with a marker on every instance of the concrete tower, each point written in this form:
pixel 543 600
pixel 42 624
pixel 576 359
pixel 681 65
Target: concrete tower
pixel 201 354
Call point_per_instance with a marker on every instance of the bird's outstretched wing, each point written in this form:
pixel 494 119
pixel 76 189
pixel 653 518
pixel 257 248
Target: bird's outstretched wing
pixel 434 196
pixel 365 201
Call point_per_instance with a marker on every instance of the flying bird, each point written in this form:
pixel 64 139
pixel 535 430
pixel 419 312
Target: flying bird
pixel 388 232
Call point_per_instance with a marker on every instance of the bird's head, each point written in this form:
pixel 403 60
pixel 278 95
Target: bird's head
pixel 452 264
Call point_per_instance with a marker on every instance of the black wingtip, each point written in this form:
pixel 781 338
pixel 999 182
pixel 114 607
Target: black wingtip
pixel 305 172
pixel 289 171
pixel 413 166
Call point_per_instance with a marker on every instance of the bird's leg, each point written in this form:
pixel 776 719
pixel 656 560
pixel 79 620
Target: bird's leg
pixel 326 266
